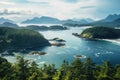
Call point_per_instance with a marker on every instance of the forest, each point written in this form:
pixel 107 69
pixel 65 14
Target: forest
pixel 101 33
pixel 24 69
pixel 16 39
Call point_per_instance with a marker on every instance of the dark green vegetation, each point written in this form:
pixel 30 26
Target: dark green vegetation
pixel 45 28
pixel 101 33
pixel 16 39
pixel 78 70
pixel 36 28
pixel 57 27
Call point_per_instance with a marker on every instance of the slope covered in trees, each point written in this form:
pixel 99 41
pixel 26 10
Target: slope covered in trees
pixel 45 28
pixel 101 33
pixel 78 70
pixel 20 39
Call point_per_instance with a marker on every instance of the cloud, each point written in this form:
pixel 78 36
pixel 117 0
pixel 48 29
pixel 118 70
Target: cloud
pixel 62 9
pixel 72 1
pixel 6 12
pixel 20 1
pixel 106 7
pixel 41 1
pixel 6 2
pixel 86 7
pixel 52 1
pixel 38 0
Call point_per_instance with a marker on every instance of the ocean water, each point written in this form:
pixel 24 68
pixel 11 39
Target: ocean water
pixel 99 50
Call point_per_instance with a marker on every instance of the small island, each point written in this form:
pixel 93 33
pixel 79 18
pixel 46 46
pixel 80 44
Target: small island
pixel 80 56
pixel 57 42
pixel 37 53
pixel 57 39
pixel 99 33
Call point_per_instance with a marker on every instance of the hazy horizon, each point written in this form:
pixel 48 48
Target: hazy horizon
pixel 20 10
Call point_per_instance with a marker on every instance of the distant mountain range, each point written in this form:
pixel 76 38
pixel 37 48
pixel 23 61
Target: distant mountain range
pixel 51 20
pixel 74 22
pixel 8 24
pixel 111 18
pixel 42 20
pixel 2 20
pixel 109 21
pixel 88 20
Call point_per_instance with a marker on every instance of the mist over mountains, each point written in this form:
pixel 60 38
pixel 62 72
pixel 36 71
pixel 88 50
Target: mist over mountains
pixel 112 20
pixel 2 20
pixel 51 20
pixel 109 21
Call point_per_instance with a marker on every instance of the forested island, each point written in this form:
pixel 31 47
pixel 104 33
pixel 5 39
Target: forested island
pixel 18 39
pixel 45 28
pixel 99 33
pixel 77 70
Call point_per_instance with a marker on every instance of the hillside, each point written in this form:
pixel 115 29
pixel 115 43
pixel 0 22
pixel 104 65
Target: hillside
pixel 8 24
pixel 15 39
pixel 45 28
pixel 101 33
pixel 111 17
pixel 109 21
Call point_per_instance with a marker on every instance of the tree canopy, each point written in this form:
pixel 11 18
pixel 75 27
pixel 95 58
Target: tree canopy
pixel 101 33
pixel 77 70
pixel 20 39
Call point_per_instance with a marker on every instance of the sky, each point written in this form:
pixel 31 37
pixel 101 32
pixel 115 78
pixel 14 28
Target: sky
pixel 20 10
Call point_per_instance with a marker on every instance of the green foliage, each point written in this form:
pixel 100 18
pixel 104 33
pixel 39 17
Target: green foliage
pixel 5 69
pixel 101 33
pixel 117 73
pixel 21 68
pixel 89 66
pixel 77 70
pixel 106 72
pixel 49 70
pixel 20 39
pixel 63 73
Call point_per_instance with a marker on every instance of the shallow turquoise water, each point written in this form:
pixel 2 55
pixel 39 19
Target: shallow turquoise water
pixel 99 50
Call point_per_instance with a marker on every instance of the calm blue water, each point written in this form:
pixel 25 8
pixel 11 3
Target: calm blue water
pixel 99 51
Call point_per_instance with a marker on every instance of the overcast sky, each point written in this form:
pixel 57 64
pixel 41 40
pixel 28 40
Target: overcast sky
pixel 19 10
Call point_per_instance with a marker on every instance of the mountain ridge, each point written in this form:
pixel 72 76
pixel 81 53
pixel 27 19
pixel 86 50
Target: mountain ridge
pixel 2 20
pixel 52 20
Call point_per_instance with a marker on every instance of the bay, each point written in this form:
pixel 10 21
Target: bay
pixel 98 50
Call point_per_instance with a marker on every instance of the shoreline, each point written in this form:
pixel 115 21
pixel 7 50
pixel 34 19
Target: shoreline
pixel 113 40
